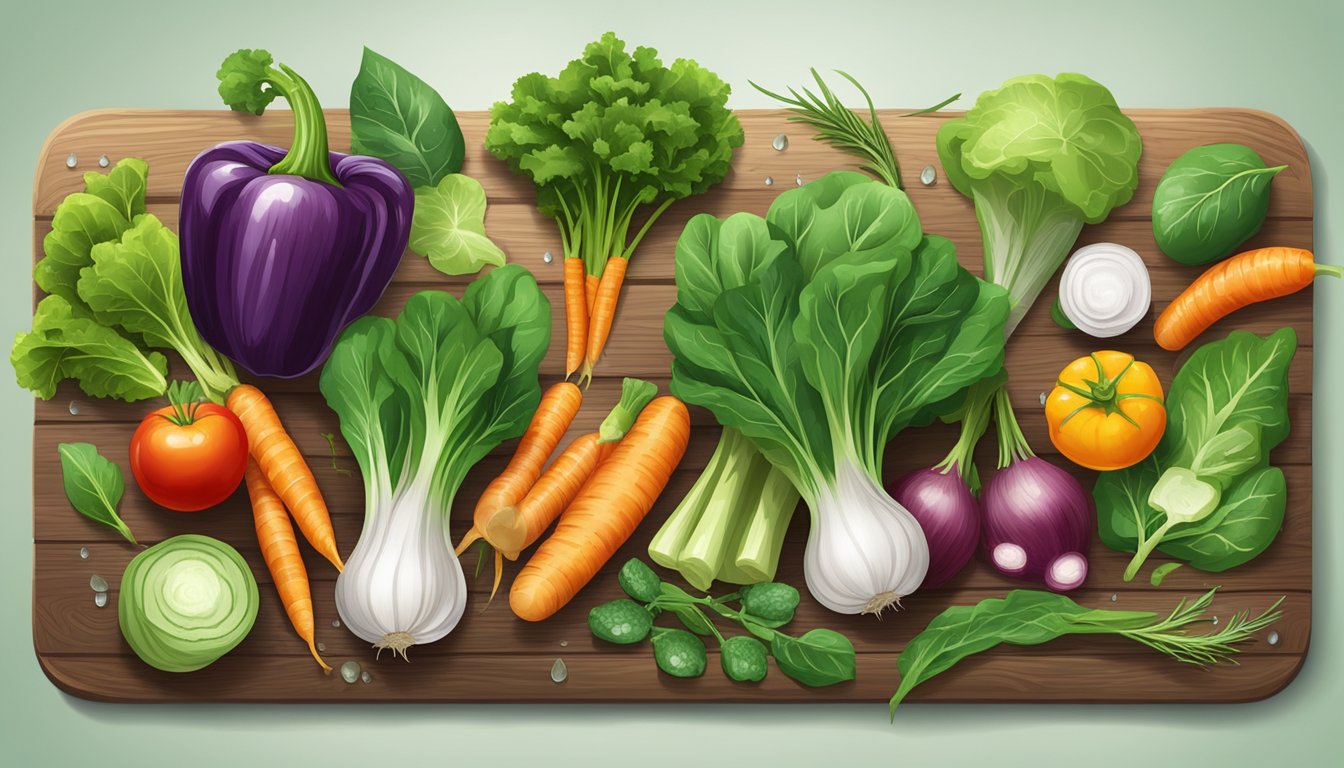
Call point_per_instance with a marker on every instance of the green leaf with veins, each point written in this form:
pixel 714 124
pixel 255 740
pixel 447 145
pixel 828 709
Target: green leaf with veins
pixel 93 485
pixel 396 116
pixel 448 226
pixel 1209 201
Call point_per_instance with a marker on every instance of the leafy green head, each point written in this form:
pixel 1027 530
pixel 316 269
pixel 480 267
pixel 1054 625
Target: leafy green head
pixel 613 117
pixel 1065 134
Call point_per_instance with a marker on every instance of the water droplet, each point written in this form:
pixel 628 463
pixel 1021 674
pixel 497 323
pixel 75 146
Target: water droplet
pixel 1215 621
pixel 564 643
pixel 1114 598
pixel 798 180
pixel 321 647
pixel 71 161
pixel 336 623
pixel 1042 398
pixel 780 143
pixel 928 176
pixel 83 553
pixel 74 408
pixel 350 671
pixel 559 672
pixel 769 182
pixel 100 599
pixel 103 162
pixel 366 678
pixel 1273 638
pixel 97 583
pixel 547 257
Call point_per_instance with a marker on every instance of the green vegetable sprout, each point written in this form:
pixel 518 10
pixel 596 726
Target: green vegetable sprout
pixel 819 657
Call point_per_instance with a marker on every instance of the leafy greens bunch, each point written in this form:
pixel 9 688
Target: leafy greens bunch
pixel 614 131
pixel 113 278
pixel 1207 494
pixel 819 333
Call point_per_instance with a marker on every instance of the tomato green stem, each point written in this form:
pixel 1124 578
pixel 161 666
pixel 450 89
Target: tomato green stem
pixel 185 398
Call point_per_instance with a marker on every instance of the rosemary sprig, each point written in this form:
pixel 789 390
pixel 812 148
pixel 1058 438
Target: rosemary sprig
pixel 1170 637
pixel 840 127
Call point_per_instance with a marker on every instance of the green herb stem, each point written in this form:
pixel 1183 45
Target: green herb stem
pixel 975 420
pixel 1013 444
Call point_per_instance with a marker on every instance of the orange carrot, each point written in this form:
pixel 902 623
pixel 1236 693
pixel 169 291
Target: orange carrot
pixel 590 284
pixel 553 416
pixel 284 468
pixel 514 528
pixel 607 510
pixel 280 550
pixel 576 314
pixel 1247 278
pixel 604 311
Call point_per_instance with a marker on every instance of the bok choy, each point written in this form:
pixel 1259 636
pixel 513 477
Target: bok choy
pixel 422 398
pixel 819 333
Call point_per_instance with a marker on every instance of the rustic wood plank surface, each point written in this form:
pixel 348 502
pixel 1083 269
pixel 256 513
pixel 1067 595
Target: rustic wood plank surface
pixel 494 657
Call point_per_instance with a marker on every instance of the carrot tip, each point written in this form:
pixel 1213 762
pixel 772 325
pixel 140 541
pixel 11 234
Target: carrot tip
pixel 313 650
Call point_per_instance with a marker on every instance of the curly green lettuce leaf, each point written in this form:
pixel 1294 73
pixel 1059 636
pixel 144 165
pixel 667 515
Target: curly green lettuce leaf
pixel 64 345
pixel 448 226
pixel 1040 157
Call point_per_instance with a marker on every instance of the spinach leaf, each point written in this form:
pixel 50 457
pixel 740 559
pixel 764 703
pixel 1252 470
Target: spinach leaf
pixel 448 226
pixel 819 657
pixel 1226 410
pixel 93 485
pixel 1209 201
pixel 396 116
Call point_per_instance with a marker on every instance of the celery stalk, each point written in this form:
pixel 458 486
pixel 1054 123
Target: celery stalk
pixel 665 548
pixel 757 552
pixel 724 515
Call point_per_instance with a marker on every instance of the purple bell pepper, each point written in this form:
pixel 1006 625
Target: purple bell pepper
pixel 282 250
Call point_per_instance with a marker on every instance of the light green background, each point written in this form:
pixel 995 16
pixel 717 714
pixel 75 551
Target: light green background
pixel 58 58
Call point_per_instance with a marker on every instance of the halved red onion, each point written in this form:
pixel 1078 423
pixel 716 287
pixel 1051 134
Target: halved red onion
pixel 1038 523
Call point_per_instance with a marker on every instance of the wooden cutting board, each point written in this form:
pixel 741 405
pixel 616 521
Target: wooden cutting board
pixel 492 656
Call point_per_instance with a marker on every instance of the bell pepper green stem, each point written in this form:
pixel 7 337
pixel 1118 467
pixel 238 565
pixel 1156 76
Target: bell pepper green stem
pixel 308 156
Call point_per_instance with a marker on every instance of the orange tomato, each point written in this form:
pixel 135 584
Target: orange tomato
pixel 189 459
pixel 1106 411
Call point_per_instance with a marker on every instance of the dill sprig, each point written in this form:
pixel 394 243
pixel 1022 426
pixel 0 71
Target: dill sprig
pixel 840 127
pixel 1169 635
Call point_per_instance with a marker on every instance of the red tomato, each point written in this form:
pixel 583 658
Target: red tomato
pixel 189 467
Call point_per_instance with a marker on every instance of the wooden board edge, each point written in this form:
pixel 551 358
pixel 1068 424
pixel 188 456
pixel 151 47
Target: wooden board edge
pixel 1288 668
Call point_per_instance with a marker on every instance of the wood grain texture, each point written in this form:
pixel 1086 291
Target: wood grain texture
pixel 494 657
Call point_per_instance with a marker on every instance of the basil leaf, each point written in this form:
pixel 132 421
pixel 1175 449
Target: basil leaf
pixel 396 116
pixel 448 226
pixel 1210 201
pixel 820 657
pixel 93 485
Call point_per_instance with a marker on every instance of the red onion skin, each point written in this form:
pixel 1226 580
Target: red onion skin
pixel 1039 507
pixel 948 514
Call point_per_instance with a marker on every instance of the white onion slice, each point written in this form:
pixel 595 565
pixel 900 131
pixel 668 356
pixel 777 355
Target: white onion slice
pixel 1105 289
